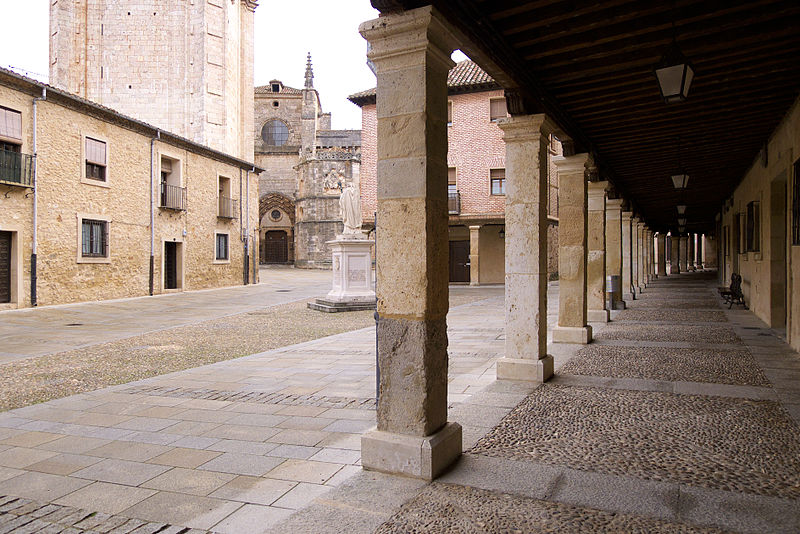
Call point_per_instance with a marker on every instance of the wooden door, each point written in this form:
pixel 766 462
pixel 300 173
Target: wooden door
pixel 459 261
pixel 5 267
pixel 170 265
pixel 275 245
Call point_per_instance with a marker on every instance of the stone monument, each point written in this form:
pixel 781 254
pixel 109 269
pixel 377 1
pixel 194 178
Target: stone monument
pixel 352 288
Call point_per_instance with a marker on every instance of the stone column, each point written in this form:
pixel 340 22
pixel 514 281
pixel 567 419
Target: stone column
pixel 572 253
pixel 596 257
pixel 413 436
pixel 641 256
pixel 627 256
pixel 614 243
pixel 690 265
pixel 526 358
pixel 662 254
pixel 474 256
pixel 675 255
pixel 709 252
pixel 651 271
pixel 635 256
pixel 683 263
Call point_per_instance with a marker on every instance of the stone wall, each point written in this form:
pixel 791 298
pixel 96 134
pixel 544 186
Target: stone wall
pixel 185 67
pixel 123 200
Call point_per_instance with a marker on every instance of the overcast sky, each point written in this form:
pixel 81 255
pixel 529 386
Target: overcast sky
pixel 284 33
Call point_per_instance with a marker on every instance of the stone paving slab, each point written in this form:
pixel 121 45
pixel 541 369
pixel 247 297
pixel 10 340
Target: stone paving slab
pixel 690 365
pixel 448 508
pixel 712 442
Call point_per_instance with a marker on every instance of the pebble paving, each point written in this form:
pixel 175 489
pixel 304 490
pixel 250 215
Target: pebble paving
pixel 672 315
pixel 737 367
pixel 685 333
pixel 712 442
pixel 674 304
pixel 24 516
pixel 447 508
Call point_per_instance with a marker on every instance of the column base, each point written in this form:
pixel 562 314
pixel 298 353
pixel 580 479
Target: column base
pixel 597 316
pixel 572 334
pixel 412 456
pixel 529 370
pixel 474 284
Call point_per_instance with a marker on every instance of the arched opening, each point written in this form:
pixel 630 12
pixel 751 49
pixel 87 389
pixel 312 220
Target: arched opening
pixel 276 247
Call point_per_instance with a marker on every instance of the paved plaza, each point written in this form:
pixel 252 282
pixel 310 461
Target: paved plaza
pixel 682 416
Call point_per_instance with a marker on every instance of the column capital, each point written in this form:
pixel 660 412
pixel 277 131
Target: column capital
pixel 598 188
pixel 475 226
pixel 572 164
pixel 521 128
pixel 627 215
pixel 614 203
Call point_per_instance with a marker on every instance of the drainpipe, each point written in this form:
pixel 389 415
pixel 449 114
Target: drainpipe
pixel 35 246
pixel 247 222
pixel 153 209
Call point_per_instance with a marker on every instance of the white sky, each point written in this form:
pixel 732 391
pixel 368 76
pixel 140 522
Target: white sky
pixel 284 33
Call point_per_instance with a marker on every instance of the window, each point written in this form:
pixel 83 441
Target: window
pixel 497 109
pixel 94 238
pixel 796 204
pixel 11 125
pixel 449 112
pixel 95 159
pixel 498 180
pixel 227 205
pixel 275 132
pixel 753 227
pixel 173 196
pixel 221 247
pixel 276 87
pixel 452 187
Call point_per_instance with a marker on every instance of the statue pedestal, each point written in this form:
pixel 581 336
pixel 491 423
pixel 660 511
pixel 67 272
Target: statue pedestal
pixel 352 287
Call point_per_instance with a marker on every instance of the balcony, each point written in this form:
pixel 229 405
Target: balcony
pixel 453 202
pixel 16 168
pixel 227 208
pixel 173 197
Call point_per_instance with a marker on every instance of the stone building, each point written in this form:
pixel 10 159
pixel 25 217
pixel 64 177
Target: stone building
pixel 476 176
pixel 185 67
pixel 97 205
pixel 306 165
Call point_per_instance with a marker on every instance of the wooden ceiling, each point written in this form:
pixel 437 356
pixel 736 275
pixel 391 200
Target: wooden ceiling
pixel 589 65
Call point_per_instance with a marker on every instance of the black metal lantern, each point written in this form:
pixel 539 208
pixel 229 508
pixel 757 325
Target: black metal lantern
pixel 674 74
pixel 680 180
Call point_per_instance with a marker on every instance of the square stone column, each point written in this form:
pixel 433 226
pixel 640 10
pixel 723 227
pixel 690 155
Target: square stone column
pixel 690 266
pixel 572 250
pixel 526 358
pixel 628 292
pixel 635 242
pixel 474 256
pixel 662 254
pixel 641 256
pixel 675 255
pixel 651 272
pixel 709 252
pixel 614 243
pixel 411 52
pixel 683 264
pixel 596 310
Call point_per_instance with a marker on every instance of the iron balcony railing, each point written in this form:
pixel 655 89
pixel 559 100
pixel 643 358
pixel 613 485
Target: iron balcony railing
pixel 16 168
pixel 227 208
pixel 454 202
pixel 173 197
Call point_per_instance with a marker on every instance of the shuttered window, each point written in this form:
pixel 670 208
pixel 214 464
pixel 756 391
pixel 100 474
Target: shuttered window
pixel 498 180
pixel 95 159
pixel 497 109
pixel 222 247
pixel 10 124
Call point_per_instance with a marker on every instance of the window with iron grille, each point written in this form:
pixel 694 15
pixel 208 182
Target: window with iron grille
pixel 95 151
pixel 753 227
pixel 94 238
pixel 222 247
pixel 796 204
pixel 498 181
pixel 497 109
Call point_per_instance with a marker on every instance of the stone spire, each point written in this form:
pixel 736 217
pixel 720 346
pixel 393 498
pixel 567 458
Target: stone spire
pixel 309 73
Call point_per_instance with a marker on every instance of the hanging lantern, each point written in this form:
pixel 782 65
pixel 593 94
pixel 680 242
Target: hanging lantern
pixel 680 181
pixel 674 74
pixel 681 209
pixel 682 221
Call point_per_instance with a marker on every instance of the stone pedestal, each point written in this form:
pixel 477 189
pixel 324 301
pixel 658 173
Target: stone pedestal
pixel 351 263
pixel 596 311
pixel 526 358
pixel 572 252
pixel 614 245
pixel 411 53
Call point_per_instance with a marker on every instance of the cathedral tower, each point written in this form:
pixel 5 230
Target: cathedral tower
pixel 183 66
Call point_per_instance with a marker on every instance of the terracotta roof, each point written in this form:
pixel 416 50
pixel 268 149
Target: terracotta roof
pixel 267 90
pixel 465 77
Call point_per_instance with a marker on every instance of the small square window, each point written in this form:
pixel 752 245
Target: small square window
pixel 497 109
pixel 222 247
pixel 95 159
pixel 94 238
pixel 498 180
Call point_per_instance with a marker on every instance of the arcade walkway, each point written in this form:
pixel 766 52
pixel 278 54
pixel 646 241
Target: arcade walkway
pixel 682 416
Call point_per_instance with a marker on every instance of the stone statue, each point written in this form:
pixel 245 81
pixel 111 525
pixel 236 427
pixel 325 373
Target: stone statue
pixel 350 205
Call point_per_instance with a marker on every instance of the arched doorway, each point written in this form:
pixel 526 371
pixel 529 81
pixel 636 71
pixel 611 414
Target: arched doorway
pixel 276 247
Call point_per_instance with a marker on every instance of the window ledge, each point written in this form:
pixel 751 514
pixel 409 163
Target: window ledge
pixel 94 260
pixel 221 262
pixel 98 183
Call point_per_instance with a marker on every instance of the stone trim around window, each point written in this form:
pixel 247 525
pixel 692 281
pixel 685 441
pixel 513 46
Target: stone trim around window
pixel 80 258
pixel 227 258
pixel 91 181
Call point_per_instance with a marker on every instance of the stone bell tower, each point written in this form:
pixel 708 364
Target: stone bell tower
pixel 186 67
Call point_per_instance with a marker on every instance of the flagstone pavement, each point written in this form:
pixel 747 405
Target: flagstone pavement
pixel 682 416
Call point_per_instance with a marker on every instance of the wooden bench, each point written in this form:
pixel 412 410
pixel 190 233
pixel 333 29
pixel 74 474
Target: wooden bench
pixel 733 294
